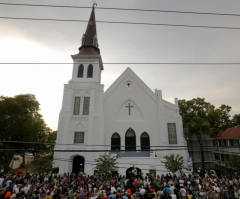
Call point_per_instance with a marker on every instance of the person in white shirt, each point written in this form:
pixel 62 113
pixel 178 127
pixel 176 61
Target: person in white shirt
pixel 113 189
pixel 16 188
pixel 183 192
pixel 181 182
pixel 172 187
pixel 142 191
pixel 26 188
pixel 173 195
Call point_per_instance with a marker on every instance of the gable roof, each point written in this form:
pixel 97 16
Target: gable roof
pixel 229 133
pixel 130 72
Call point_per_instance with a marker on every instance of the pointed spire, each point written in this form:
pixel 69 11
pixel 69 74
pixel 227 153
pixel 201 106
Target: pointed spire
pixel 89 39
pixel 89 45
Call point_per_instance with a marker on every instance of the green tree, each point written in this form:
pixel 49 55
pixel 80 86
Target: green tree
pixel 20 120
pixel 173 163
pixel 105 165
pixel 42 163
pixel 220 119
pixel 43 160
pixel 202 118
pixel 236 120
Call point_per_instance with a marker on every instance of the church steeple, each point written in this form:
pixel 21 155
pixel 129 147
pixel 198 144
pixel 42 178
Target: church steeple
pixel 89 39
pixel 89 47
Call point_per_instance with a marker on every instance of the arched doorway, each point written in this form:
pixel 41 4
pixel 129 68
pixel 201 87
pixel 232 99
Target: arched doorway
pixel 130 140
pixel 115 142
pixel 133 172
pixel 78 164
pixel 145 142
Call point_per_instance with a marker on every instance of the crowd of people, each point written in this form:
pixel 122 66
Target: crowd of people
pixel 71 186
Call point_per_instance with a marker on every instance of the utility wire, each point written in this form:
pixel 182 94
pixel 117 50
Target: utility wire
pixel 52 143
pixel 105 145
pixel 121 167
pixel 122 9
pixel 122 22
pixel 101 151
pixel 126 63
pixel 88 150
pixel 122 163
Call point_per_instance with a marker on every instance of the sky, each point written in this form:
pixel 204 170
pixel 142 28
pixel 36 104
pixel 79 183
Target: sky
pixel 51 41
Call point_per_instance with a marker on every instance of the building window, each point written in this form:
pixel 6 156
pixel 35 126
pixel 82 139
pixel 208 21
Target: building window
pixel 76 109
pixel 90 71
pixel 172 134
pixel 145 142
pixel 78 137
pixel 86 103
pixel 130 140
pixel 115 142
pixel 80 70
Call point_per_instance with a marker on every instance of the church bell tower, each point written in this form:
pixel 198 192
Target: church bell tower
pixel 80 125
pixel 88 62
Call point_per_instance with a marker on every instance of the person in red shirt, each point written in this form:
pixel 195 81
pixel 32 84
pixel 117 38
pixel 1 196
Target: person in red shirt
pixel 104 196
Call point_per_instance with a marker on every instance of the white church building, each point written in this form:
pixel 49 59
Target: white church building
pixel 128 120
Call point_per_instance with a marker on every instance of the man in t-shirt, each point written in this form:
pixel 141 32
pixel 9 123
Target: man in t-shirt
pixel 142 191
pixel 183 192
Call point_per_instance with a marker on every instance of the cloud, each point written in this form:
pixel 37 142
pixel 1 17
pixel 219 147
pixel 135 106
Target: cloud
pixel 55 41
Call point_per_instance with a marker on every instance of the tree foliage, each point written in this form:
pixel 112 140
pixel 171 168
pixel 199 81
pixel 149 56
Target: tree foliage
pixel 105 165
pixel 194 113
pixel 20 120
pixel 201 117
pixel 220 119
pixel 42 163
pixel 173 163
pixel 236 120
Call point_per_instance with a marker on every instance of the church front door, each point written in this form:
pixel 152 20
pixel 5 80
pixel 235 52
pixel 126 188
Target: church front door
pixel 78 164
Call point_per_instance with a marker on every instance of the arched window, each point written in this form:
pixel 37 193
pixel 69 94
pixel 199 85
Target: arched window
pixel 80 70
pixel 115 142
pixel 130 140
pixel 90 71
pixel 145 142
